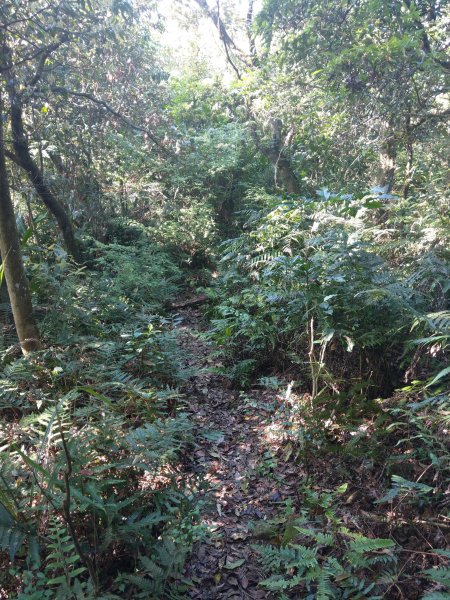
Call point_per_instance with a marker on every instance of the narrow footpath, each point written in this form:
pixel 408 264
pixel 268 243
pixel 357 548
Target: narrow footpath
pixel 247 481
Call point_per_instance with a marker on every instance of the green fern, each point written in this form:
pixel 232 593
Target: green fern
pixel 440 575
pixel 155 574
pixel 63 563
pixel 325 590
pixel 332 563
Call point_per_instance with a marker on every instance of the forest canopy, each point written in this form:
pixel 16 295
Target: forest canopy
pixel 224 299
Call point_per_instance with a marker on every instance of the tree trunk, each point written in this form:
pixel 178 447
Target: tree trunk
pixel 277 156
pixel 409 167
pixel 35 176
pixel 385 177
pixel 287 176
pixel 11 254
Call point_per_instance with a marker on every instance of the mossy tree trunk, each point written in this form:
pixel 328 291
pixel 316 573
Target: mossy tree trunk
pixel 385 177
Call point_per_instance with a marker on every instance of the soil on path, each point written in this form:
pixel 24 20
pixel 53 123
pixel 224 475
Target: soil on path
pixel 251 468
pixel 240 466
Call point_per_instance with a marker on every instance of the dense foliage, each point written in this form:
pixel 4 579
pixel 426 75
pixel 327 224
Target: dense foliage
pixel 295 175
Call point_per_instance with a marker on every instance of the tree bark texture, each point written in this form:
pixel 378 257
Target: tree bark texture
pixel 11 254
pixel 385 177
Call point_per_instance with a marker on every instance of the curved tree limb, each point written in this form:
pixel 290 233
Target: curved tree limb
pixel 43 59
pixel 115 113
pixel 24 159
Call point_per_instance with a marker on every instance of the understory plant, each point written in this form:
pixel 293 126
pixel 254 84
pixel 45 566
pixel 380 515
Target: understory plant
pixel 94 435
pixel 316 556
pixel 307 284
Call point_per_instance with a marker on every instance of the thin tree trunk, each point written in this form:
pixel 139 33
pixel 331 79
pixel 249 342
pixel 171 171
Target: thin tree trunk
pixel 385 177
pixel 31 217
pixel 284 171
pixel 250 33
pixel 11 254
pixel 409 168
pixel 27 163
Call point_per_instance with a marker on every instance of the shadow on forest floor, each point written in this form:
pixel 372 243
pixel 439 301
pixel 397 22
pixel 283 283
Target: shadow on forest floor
pixel 255 475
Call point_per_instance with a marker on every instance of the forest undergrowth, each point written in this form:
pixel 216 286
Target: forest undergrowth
pixel 298 508
pixel 344 341
pixel 95 432
pixel 224 299
pixel 269 443
pixel 146 455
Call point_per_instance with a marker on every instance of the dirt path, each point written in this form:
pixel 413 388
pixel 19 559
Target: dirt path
pixel 241 467
pixel 251 469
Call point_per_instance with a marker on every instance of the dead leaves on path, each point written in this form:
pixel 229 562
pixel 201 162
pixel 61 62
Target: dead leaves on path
pixel 247 451
pixel 247 480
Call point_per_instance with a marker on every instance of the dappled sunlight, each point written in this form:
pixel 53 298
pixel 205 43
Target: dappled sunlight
pixel 224 299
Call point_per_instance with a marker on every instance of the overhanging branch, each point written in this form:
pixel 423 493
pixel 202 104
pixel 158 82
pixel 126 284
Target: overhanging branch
pixel 111 110
pixel 227 40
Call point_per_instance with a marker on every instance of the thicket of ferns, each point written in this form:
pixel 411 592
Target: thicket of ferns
pixel 146 173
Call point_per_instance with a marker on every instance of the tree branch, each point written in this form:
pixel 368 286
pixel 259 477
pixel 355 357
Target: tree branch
pixel 430 117
pixel 426 44
pixel 111 110
pixel 224 35
pixel 43 58
pixel 250 35
pixel 12 157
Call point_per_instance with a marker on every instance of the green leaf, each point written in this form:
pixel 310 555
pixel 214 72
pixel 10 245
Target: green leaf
pixel 77 572
pixel 57 580
pixel 234 565
pixel 342 488
pixel 34 558
pixel 6 519
pixel 438 377
pixel 16 540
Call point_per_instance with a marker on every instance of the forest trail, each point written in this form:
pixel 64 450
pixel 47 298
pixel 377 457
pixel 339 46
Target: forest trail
pixel 239 466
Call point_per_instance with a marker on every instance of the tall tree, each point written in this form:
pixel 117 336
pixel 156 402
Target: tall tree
pixel 31 34
pixel 24 159
pixel 13 267
pixel 374 73
pixel 277 150
pixel 56 69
